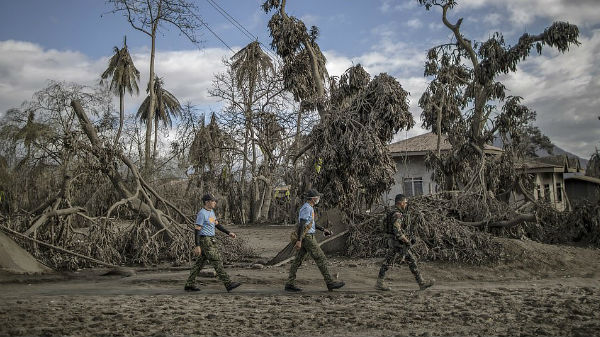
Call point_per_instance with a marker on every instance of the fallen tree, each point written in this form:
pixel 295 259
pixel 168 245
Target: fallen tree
pixel 139 200
pixel 453 226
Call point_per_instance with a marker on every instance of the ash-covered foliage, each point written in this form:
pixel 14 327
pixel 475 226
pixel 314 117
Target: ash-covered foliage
pixel 593 166
pixel 434 225
pixel 350 159
pixel 580 225
pixel 304 70
pixel 440 225
pixel 466 102
pixel 121 243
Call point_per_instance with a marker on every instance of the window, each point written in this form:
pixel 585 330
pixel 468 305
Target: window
pixel 413 186
pixel 547 192
pixel 538 192
pixel 559 192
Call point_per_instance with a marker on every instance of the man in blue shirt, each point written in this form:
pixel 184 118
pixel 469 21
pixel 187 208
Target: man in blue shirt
pixel 206 222
pixel 306 243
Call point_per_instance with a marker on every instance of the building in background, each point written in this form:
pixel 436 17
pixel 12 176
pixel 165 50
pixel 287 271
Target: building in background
pixel 549 178
pixel 412 176
pixel 582 189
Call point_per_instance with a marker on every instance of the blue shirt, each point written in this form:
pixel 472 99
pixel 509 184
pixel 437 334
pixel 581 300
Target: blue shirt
pixel 206 220
pixel 307 213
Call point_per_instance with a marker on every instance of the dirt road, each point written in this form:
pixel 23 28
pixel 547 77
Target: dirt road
pixel 537 290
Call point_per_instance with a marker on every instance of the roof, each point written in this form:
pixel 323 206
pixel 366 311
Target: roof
pixel 563 160
pixel 584 178
pixel 559 163
pixel 420 145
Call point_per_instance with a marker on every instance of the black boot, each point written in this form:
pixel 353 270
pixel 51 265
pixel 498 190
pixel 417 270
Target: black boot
pixel 292 288
pixel 335 285
pixel 191 288
pixel 232 286
pixel 426 284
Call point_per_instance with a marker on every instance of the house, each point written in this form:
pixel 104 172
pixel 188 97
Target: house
pixel 412 176
pixel 551 172
pixel 582 188
pixel 549 178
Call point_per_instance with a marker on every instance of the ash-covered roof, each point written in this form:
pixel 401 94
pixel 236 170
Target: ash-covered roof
pixel 428 142
pixel 560 163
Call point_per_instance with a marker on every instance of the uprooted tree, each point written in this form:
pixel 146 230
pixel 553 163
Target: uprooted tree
pixel 345 155
pixel 350 161
pixel 67 189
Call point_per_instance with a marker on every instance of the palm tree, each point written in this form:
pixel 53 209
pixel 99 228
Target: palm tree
pixel 250 65
pixel 166 106
pixel 124 77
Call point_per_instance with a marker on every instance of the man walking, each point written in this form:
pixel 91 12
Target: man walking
pixel 395 224
pixel 306 243
pixel 205 249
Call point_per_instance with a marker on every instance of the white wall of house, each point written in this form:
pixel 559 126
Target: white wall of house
pixel 551 187
pixel 412 168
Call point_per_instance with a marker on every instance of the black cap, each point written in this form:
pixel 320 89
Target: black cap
pixel 312 194
pixel 399 197
pixel 208 197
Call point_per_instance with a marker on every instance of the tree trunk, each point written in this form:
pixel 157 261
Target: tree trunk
pixel 505 223
pixel 150 117
pixel 154 154
pixel 243 176
pixel 121 114
pixel 255 190
pixel 267 200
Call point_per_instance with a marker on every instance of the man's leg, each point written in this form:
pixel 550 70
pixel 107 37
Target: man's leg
pixel 291 281
pixel 213 256
pixel 312 247
pixel 190 285
pixel 390 255
pixel 412 265
pixel 321 260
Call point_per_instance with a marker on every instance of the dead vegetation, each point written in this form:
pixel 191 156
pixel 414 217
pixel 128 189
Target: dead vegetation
pixel 455 227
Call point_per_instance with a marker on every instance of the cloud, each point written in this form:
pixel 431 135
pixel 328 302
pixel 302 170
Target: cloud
pixel 580 12
pixel 493 19
pixel 393 6
pixel 414 23
pixel 310 20
pixel 563 89
pixel 187 74
pixel 26 67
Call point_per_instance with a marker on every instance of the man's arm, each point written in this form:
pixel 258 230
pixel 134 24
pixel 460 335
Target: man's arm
pixel 398 230
pixel 222 229
pixel 322 229
pixel 197 230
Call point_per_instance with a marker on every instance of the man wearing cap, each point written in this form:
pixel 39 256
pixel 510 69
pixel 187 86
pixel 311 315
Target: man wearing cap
pixel 307 243
pixel 395 224
pixel 205 249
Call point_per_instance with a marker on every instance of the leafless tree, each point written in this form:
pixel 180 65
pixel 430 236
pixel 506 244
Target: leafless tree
pixel 259 117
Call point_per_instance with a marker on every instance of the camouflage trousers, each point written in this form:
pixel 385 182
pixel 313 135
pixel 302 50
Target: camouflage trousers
pixel 210 254
pixel 309 246
pixel 397 248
